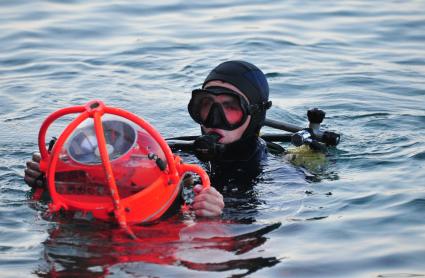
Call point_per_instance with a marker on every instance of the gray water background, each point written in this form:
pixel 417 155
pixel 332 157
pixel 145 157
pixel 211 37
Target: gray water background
pixel 363 62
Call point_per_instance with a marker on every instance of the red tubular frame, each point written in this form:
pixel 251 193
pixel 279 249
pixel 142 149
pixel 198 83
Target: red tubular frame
pixel 96 109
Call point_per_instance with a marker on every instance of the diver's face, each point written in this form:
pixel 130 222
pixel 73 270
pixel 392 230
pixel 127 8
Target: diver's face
pixel 227 136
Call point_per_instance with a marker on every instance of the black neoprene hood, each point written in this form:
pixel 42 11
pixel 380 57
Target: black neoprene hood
pixel 252 82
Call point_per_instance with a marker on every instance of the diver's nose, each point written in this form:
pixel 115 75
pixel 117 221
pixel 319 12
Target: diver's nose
pixel 215 117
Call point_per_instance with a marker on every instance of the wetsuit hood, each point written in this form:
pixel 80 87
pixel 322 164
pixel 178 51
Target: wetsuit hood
pixel 252 82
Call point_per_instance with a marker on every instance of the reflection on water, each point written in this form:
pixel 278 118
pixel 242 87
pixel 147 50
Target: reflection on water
pixel 73 247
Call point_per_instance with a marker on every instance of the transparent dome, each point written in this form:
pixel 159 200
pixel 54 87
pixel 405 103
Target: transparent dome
pixel 131 150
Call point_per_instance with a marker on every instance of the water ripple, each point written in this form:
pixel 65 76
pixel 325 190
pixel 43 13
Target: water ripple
pixel 360 61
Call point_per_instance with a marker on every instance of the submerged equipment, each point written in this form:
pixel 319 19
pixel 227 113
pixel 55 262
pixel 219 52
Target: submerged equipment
pixel 116 169
pixel 313 135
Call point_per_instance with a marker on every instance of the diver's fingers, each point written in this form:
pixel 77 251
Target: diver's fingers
pixel 33 178
pixel 210 195
pixel 35 166
pixel 198 188
pixel 206 209
pixel 32 173
pixel 207 213
pixel 208 203
pixel 36 157
pixel 30 181
pixel 33 182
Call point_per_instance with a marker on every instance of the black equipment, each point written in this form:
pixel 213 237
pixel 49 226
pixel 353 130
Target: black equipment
pixel 207 146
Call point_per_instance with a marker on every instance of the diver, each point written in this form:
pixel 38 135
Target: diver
pixel 231 109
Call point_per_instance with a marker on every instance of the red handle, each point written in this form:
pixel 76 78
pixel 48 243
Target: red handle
pixel 183 168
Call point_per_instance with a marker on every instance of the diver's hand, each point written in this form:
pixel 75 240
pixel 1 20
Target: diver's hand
pixel 32 172
pixel 208 202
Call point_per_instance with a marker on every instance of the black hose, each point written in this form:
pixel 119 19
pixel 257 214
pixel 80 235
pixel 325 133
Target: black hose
pixel 282 125
pixel 272 137
pixel 181 146
pixel 183 138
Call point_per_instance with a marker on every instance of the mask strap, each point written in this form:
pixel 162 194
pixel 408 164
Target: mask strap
pixel 258 107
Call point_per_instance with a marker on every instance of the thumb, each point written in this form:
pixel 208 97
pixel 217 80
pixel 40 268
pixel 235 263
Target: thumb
pixel 198 188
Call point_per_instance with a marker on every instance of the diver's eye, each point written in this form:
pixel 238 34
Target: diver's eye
pixel 232 111
pixel 205 107
pixel 206 103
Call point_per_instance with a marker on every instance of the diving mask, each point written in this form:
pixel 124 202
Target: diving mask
pixel 219 107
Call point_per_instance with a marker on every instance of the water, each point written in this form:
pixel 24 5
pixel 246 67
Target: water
pixel 360 61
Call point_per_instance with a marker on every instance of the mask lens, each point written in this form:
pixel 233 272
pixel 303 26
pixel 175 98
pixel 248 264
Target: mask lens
pixel 230 107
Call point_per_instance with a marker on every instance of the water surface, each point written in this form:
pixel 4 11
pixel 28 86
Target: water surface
pixel 360 61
